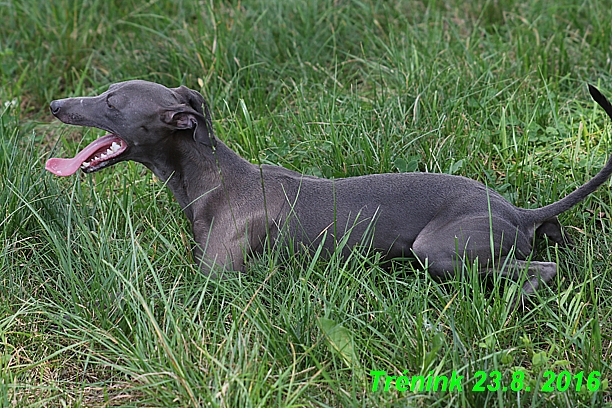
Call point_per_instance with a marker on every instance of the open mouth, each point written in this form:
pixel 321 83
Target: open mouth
pixel 96 156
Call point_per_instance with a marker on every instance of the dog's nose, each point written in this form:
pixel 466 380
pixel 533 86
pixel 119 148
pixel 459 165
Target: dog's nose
pixel 55 107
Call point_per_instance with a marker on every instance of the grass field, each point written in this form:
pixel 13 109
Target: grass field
pixel 100 304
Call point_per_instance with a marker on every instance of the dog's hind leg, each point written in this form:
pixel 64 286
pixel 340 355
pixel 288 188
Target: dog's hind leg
pixel 535 272
pixel 490 239
pixel 446 246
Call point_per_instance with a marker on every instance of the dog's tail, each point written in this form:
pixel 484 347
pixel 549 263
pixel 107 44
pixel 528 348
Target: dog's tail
pixel 567 202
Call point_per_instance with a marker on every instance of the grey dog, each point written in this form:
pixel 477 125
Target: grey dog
pixel 236 207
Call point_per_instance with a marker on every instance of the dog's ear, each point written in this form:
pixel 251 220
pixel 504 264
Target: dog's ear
pixel 190 115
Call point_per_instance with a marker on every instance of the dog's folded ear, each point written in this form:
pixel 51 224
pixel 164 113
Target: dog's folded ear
pixel 192 113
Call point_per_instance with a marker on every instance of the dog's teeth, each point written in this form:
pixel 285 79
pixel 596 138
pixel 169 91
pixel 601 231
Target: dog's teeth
pixel 115 146
pixel 109 151
pixel 103 156
pixel 85 165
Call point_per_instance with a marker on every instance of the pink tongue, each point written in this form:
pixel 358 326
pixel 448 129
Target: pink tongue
pixel 67 167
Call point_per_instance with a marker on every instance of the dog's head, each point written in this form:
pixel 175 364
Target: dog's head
pixel 142 117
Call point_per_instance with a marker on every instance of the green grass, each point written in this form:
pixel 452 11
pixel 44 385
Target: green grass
pixel 99 301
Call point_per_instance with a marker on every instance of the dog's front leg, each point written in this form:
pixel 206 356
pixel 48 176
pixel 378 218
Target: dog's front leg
pixel 213 255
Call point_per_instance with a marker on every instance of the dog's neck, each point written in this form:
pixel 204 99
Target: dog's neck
pixel 195 173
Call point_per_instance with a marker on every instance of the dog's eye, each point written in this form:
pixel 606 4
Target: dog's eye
pixel 109 103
